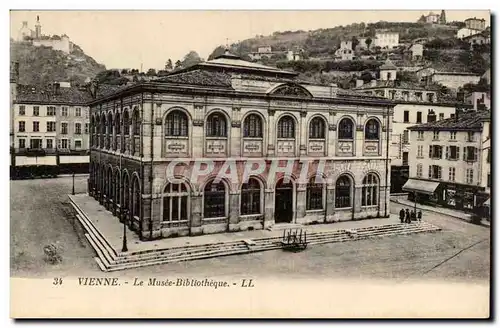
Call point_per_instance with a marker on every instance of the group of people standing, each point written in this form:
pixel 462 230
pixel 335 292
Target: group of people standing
pixel 406 216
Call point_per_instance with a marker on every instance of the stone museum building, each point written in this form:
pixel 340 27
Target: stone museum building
pixel 171 156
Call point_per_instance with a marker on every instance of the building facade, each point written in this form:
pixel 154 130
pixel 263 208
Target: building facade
pixel 50 120
pixel 36 37
pixel 454 80
pixel 386 40
pixel 452 166
pixel 161 151
pixel 475 23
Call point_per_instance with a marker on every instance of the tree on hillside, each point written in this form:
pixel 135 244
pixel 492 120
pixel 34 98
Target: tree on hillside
pixel 192 58
pixel 366 77
pixel 178 65
pixel 368 42
pixel 169 66
pixel 421 19
pixel 151 72
pixel 124 71
pixel 355 42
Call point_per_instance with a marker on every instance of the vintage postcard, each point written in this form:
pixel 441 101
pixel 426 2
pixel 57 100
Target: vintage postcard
pixel 250 164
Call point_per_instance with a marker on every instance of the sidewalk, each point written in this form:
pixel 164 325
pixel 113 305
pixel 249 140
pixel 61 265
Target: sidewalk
pixel 112 230
pixel 441 210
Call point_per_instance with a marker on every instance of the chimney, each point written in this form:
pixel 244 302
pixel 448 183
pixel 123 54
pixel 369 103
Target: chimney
pixel 359 83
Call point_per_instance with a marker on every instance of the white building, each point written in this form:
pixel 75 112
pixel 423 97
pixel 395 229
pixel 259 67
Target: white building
pixel 386 40
pixel 453 80
pixel 465 32
pixel 61 43
pixel 451 167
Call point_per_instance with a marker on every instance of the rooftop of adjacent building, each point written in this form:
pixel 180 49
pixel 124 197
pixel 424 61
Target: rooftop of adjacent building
pixel 395 84
pixel 463 121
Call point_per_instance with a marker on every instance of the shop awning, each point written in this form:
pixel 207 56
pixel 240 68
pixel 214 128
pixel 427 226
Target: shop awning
pixel 421 186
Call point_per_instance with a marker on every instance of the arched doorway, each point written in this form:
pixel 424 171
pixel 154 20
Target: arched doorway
pixel 126 195
pixel 117 191
pixel 136 201
pixel 109 191
pixel 283 202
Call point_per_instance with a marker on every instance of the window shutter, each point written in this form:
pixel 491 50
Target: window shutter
pixel 430 171
pixel 447 152
pixel 430 151
pixel 439 172
pixel 475 153
pixel 465 153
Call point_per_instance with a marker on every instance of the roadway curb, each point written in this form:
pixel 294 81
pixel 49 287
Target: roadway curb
pixel 453 216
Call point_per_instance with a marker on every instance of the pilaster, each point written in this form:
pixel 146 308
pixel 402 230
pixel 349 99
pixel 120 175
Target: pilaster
pixel 234 211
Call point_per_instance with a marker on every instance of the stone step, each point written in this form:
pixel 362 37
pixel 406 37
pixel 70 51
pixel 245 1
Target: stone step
pixel 99 241
pixel 100 250
pixel 284 226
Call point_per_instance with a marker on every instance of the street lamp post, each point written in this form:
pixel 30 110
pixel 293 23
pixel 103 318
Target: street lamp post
pixel 124 247
pixel 73 190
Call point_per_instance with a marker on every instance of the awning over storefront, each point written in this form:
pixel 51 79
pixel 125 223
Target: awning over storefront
pixel 420 186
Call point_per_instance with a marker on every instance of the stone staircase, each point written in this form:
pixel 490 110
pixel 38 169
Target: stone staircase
pixel 109 260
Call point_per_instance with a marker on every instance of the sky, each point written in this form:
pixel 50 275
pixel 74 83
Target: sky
pixel 127 39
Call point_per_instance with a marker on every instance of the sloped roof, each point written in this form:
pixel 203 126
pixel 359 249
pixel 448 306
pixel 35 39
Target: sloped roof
pixel 199 77
pixel 388 65
pixel 468 121
pixel 69 96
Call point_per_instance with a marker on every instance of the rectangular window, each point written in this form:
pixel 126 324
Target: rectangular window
pixel 64 143
pixel 451 174
pixel 435 151
pixel 453 136
pixel 36 126
pixel 22 143
pixel 452 115
pixel 51 111
pixel 36 111
pixel 452 152
pixel 434 171
pixel 405 158
pixel 22 110
pixel 51 126
pixel 419 170
pixel 78 144
pixel 64 128
pixel 470 136
pixel 78 128
pixel 35 143
pixel 406 117
pixel 420 151
pixel 64 111
pixel 489 181
pixel 50 144
pixel 488 156
pixel 470 176
pixel 420 135
pixel 78 111
pixel 436 135
pixel 419 117
pixel 430 97
pixel 86 128
pixel 22 126
pixel 441 116
pixel 406 137
pixel 470 154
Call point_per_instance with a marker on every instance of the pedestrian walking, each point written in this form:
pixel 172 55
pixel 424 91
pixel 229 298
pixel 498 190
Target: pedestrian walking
pixel 408 219
pixel 402 215
pixel 413 215
pixel 420 215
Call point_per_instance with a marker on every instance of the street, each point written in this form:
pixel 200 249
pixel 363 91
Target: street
pixel 461 251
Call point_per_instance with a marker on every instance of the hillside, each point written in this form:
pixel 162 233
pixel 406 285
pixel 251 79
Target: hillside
pixel 42 65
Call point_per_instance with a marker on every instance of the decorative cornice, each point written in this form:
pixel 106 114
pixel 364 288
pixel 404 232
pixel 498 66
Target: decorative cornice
pixel 236 124
pixel 198 122
pixel 332 127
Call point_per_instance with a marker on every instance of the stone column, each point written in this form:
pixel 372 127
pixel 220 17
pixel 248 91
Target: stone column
pixel 271 139
pixel 234 211
pixel 303 134
pixel 268 208
pixel 155 219
pixel 357 199
pixel 196 210
pixel 301 201
pixel 330 203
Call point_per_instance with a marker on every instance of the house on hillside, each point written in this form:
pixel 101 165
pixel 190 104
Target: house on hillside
pixel 480 38
pixel 262 52
pixel 417 51
pixel 387 40
pixel 345 52
pixel 453 80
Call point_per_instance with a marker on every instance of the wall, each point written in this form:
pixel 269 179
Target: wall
pixel 454 81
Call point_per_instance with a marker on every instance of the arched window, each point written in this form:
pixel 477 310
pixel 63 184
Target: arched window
pixel 176 124
pixel 372 130
pixel 214 200
pixel 216 125
pixel 343 192
pixel 175 202
pixel 103 130
pixel 136 193
pixel 252 127
pixel 317 128
pixel 92 131
pixel 117 124
pixel 136 123
pixel 126 123
pixel 286 127
pixel 314 200
pixel 109 130
pixel 346 129
pixel 250 197
pixel 369 193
